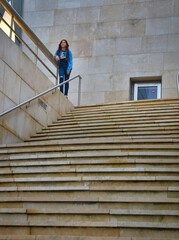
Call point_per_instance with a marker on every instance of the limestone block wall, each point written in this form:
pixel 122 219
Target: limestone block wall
pixel 112 41
pixel 20 80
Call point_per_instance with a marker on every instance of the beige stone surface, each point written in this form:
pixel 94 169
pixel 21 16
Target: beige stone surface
pixel 123 30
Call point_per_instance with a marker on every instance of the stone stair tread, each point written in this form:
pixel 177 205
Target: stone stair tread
pixel 87 161
pixel 116 140
pixel 66 138
pixel 96 163
pixel 57 237
pixel 165 134
pixel 91 224
pixel 90 188
pixel 83 211
pixel 121 112
pixel 90 146
pixel 91 178
pixel 111 125
pixel 110 145
pixel 133 104
pixel 52 199
pixel 128 111
pixel 92 153
pixel 66 237
pixel 118 118
pixel 116 129
pixel 94 169
pixel 115 121
pixel 130 175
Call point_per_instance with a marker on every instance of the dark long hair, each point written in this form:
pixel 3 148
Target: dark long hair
pixel 59 46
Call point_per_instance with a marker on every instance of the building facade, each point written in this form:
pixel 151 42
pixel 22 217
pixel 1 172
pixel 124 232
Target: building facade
pixel 123 49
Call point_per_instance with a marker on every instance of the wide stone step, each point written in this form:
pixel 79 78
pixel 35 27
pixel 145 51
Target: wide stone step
pixel 71 185
pixel 91 224
pixel 93 153
pixel 49 198
pixel 119 117
pixel 135 105
pixel 57 167
pixel 91 171
pixel 87 211
pixel 95 215
pixel 88 233
pixel 113 122
pixel 116 140
pixel 95 163
pixel 109 125
pixel 59 164
pixel 112 130
pixel 117 128
pixel 90 203
pixel 73 138
pixel 130 104
pixel 57 237
pixel 89 145
pixel 109 196
pixel 115 161
pixel 85 144
pixel 128 112
pixel 57 181
pixel 72 190
pixel 126 106
pixel 123 135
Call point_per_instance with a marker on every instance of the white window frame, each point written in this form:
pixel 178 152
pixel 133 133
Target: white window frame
pixel 137 85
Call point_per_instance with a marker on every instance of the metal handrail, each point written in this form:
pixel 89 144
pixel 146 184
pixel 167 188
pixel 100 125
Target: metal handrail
pixel 178 82
pixel 45 92
pixel 25 28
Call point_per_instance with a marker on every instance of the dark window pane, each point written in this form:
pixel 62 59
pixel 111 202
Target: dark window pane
pixel 149 92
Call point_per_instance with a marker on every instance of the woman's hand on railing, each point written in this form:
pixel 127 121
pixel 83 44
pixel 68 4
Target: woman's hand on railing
pixel 57 58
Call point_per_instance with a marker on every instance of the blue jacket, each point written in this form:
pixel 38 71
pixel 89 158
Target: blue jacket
pixel 69 59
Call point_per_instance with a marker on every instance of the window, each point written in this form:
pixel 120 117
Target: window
pixel 145 89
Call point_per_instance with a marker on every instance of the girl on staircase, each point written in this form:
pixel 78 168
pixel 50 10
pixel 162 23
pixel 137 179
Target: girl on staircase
pixel 64 58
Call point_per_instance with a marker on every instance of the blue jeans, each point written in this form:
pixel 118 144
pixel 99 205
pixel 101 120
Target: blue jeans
pixel 63 76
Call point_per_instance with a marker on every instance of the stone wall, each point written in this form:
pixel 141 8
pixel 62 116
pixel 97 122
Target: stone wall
pixel 112 41
pixel 20 80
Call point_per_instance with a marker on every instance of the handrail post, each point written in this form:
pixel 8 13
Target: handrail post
pixel 35 56
pixel 79 91
pixel 12 22
pixel 57 76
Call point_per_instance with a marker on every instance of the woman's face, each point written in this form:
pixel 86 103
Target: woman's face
pixel 63 44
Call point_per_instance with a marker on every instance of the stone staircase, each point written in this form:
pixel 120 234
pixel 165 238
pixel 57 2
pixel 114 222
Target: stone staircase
pixel 105 172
